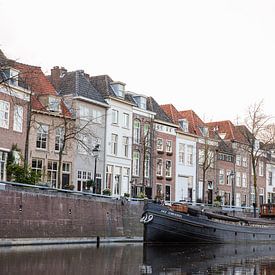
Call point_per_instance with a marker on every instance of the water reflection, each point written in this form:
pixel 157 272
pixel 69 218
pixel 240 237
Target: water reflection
pixel 138 259
pixel 209 259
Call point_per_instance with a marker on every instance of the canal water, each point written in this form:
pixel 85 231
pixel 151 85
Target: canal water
pixel 138 259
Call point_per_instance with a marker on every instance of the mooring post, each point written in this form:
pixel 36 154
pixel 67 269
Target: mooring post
pixel 97 241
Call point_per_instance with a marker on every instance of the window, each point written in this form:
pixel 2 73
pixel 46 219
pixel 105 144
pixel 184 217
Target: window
pixel 42 136
pixel 261 168
pixel 18 118
pixel 54 104
pixel 4 114
pixel 146 132
pixel 118 89
pixel 141 102
pixel 52 173
pixel 3 160
pixel 159 167
pixel 136 131
pixel 228 177
pixel 125 144
pixel 83 145
pixel 244 161
pixel 136 163
pixel 238 160
pixel 109 176
pixel 169 146
pixel 181 153
pixel 204 131
pixel 114 144
pixel 37 166
pixel 238 179
pixel 66 167
pixel 97 116
pixel 147 165
pixel 114 117
pixel 201 156
pixel 168 170
pixel 184 125
pixel 59 139
pixel 221 177
pixel 269 178
pixel 244 180
pixel 190 155
pixel 159 144
pixel 125 120
pixel 84 113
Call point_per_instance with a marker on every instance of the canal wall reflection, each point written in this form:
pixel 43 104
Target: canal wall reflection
pixel 138 259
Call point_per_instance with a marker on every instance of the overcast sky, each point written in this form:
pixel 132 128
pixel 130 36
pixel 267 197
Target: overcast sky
pixel 215 57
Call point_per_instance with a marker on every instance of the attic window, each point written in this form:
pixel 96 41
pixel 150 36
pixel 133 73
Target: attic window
pixel 141 102
pixel 222 135
pixel 54 104
pixel 184 125
pixel 11 75
pixel 204 131
pixel 119 89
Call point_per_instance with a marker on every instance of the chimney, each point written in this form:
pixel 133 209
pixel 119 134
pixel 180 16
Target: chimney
pixel 56 75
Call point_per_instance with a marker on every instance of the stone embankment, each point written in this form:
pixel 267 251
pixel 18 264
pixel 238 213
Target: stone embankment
pixel 36 215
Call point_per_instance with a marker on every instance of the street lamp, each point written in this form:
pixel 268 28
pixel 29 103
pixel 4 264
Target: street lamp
pixel 232 173
pixel 95 154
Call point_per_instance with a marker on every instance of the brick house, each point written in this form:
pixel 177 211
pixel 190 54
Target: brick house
pixel 164 153
pixel 241 176
pixel 14 102
pixel 48 114
pixel 142 173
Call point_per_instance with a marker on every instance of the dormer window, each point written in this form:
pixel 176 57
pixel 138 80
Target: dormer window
pixel 118 88
pixel 204 131
pixel 222 135
pixel 184 125
pixel 141 102
pixel 54 104
pixel 11 75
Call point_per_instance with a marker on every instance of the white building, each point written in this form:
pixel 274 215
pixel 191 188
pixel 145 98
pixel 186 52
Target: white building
pixel 185 167
pixel 118 144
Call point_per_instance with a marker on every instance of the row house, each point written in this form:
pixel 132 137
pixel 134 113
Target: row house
pixel 89 109
pixel 119 118
pixel 270 177
pixel 206 155
pixel 242 191
pixel 46 128
pixel 163 154
pixel 186 176
pixel 142 147
pixel 14 105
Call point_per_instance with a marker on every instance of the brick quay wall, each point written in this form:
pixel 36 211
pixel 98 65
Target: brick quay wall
pixel 33 213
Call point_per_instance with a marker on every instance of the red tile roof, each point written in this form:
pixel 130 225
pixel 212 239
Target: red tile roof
pixel 194 121
pixel 172 112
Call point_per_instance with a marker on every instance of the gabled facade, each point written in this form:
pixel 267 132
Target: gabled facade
pixel 118 134
pixel 14 102
pixel 206 158
pixel 164 153
pixel 90 109
pixel 142 147
pixel 186 173
pixel 47 116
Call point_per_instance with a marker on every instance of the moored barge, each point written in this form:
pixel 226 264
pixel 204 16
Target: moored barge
pixel 183 224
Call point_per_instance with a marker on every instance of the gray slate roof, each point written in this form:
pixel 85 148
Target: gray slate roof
pixel 103 84
pixel 153 106
pixel 78 83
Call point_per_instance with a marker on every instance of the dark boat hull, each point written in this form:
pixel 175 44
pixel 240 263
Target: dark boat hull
pixel 166 226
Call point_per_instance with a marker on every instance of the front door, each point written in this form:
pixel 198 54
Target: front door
pixel 65 180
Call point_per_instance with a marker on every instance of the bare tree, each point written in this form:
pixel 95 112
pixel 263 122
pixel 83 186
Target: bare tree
pixel 258 134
